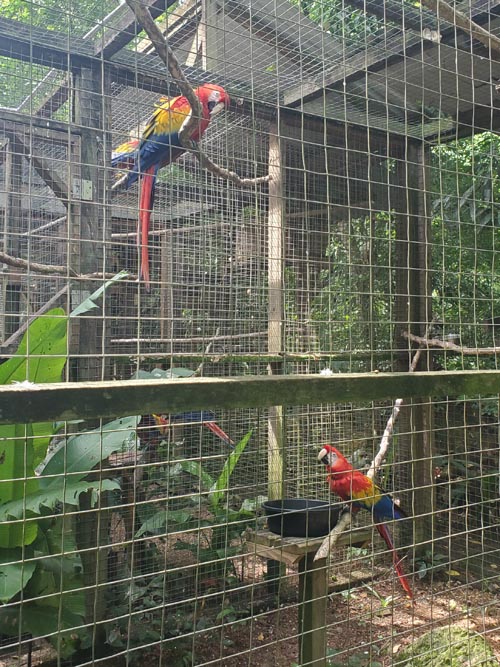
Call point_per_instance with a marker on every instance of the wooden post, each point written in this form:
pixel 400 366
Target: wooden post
pixel 413 313
pixel 12 230
pixel 166 288
pixel 91 112
pixel 276 225
pixel 422 445
pixel 313 598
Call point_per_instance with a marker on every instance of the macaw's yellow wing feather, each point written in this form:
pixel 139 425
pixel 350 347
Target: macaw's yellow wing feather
pixel 167 118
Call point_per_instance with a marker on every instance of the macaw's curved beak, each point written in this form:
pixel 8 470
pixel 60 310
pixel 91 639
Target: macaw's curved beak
pixel 161 423
pixel 323 456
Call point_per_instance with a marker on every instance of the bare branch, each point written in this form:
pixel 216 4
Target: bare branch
pixel 461 20
pixel 51 269
pixel 168 57
pixel 331 540
pixel 452 347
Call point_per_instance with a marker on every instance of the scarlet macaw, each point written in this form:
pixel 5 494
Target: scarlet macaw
pixel 205 417
pixel 160 146
pixel 352 485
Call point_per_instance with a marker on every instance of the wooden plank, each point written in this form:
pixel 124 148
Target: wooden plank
pixel 90 400
pixel 313 599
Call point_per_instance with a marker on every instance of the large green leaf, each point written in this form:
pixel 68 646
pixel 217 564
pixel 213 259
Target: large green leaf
pixel 17 478
pixel 58 490
pixel 81 452
pixel 90 302
pixel 218 490
pixel 42 352
pixel 14 573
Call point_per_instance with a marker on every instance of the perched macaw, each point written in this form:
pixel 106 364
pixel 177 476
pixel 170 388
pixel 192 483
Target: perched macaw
pixel 159 146
pixel 352 485
pixel 204 417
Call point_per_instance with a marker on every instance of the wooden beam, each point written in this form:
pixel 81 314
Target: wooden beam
pixel 92 400
pixel 44 169
pixel 115 37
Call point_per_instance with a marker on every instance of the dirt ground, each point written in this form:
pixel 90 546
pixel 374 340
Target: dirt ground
pixel 361 627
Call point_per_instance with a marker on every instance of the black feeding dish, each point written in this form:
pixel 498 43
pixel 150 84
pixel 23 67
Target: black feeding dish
pixel 300 517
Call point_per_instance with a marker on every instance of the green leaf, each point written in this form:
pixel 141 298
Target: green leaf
pixel 156 524
pixel 81 452
pixel 90 302
pixel 218 490
pixel 195 468
pixel 17 478
pixel 58 490
pixel 41 354
pixel 14 573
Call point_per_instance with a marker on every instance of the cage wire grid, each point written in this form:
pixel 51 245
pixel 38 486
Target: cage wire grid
pixel 143 537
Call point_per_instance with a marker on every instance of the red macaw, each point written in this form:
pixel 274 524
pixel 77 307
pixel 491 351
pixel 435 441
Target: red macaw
pixel 204 417
pixel 352 485
pixel 159 146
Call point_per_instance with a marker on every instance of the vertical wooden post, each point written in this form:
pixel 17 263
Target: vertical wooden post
pixel 313 598
pixel 276 225
pixel 166 288
pixel 413 313
pixel 92 114
pixel 209 33
pixel 13 227
pixel 422 441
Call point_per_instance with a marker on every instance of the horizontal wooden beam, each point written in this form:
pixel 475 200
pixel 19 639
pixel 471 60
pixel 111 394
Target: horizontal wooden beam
pixel 91 400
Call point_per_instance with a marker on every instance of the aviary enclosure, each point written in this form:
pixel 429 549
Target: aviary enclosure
pixel 323 270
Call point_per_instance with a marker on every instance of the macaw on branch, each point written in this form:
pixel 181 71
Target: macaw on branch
pixel 351 485
pixel 204 417
pixel 160 146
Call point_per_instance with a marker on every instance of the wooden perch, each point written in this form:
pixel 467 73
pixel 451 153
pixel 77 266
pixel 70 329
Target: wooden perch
pixel 462 21
pixel 452 347
pixel 51 269
pixel 166 54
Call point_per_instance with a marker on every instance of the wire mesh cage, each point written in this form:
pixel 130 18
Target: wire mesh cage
pixel 318 268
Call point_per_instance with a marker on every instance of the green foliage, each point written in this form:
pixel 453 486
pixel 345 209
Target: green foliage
pixel 340 20
pixel 352 310
pixel 447 647
pixel 32 507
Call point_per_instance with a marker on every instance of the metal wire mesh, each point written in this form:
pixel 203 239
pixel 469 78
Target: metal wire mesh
pixel 142 538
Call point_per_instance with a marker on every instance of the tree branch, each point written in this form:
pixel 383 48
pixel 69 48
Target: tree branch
pixel 166 54
pixel 445 345
pixel 462 21
pixel 51 269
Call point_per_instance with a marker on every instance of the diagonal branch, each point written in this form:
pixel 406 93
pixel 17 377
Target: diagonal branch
pixel 166 54
pixel 462 21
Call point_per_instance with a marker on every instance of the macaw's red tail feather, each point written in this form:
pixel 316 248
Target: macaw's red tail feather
pixel 215 428
pixel 386 536
pixel 145 207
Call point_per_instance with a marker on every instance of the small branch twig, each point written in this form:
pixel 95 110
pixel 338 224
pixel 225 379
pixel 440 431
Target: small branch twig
pixel 51 269
pixel 166 54
pixel 345 520
pixel 452 347
pixel 199 370
pixel 462 21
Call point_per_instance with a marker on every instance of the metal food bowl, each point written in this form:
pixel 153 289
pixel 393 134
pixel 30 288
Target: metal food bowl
pixel 301 517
